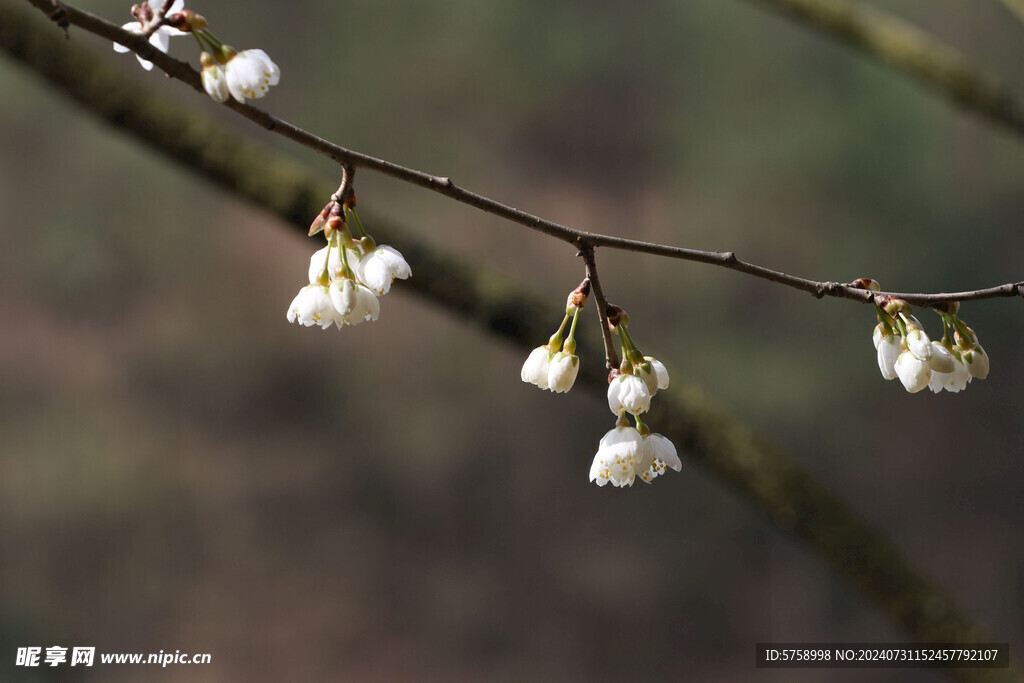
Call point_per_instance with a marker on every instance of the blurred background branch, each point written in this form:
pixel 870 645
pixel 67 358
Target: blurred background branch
pixel 913 52
pixel 1016 7
pixel 773 483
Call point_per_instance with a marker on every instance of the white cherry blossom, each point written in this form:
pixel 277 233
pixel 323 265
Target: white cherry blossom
pixel 354 302
pixel 656 377
pixel 250 73
pixel 160 38
pixel 562 372
pixel 628 394
pixel 617 457
pixel 313 306
pixel 888 348
pixel 977 362
pixel 215 81
pixel 913 372
pixel 379 268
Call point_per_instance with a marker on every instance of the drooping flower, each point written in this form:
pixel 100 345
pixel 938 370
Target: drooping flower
pixel 214 79
pixel 942 365
pixel 380 266
pixel 562 372
pixel 912 371
pixel 888 346
pixel 654 374
pixel 537 367
pixel 977 362
pixel 658 454
pixel 249 74
pixel 916 340
pixel 160 38
pixel 354 302
pixel 313 306
pixel 628 394
pixel 617 457
pixel 960 377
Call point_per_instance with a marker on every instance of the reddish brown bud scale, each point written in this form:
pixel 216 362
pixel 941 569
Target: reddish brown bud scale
pixel 188 21
pixel 578 296
pixel 867 283
pixel 614 314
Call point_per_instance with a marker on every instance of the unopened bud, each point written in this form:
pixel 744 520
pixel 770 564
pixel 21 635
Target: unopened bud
pixel 895 306
pixel 188 21
pixel 867 283
pixel 578 297
pixel 321 220
pixel 616 317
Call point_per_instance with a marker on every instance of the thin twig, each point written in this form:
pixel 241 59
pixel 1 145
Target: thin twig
pixel 158 20
pixel 348 176
pixel 601 304
pixel 443 185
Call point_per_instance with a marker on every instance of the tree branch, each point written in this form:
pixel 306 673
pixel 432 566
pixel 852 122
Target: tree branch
pixel 773 483
pixel 611 358
pixel 1016 7
pixel 910 50
pixel 443 185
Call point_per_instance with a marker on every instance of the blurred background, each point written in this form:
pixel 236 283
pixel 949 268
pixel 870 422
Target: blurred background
pixel 181 469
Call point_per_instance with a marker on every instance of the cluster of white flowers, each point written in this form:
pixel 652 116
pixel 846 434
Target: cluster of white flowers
pixel 625 452
pixel 246 74
pixel 554 365
pixel 226 72
pixel 347 275
pixel 905 351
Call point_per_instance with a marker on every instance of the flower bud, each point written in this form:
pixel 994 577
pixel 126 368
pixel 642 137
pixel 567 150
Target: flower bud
pixel 867 283
pixel 188 21
pixel 578 297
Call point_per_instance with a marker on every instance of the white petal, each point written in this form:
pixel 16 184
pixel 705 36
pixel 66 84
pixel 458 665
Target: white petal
pixel 660 370
pixel 941 360
pixel 160 39
pixel 216 86
pixel 379 268
pixel 628 394
pixel 131 26
pixel 535 369
pixel 888 352
pixel 959 378
pixel 562 372
pixel 913 372
pixel 616 457
pixel 977 362
pixel 344 296
pixel 919 343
